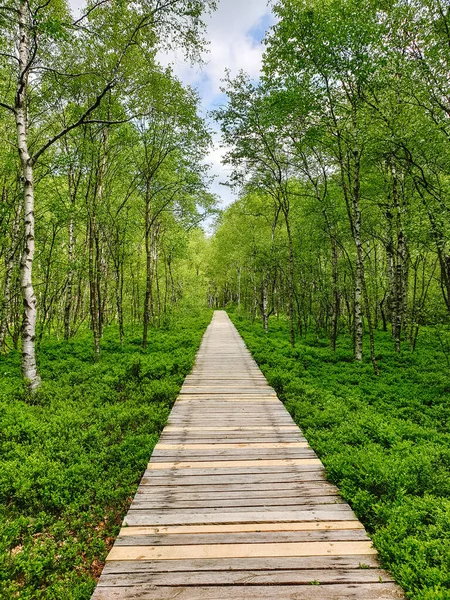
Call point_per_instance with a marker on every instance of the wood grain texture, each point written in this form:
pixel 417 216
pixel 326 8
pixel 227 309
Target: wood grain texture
pixel 232 464
pixel 239 550
pixel 367 591
pixel 318 526
pixel 234 504
pixel 364 562
pixel 285 577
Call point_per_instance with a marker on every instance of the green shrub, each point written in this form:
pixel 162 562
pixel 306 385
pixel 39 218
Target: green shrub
pixel 73 454
pixel 384 440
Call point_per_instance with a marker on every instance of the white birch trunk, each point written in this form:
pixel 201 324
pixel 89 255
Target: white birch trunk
pixel 359 263
pixel 265 314
pixel 29 368
pixel 70 277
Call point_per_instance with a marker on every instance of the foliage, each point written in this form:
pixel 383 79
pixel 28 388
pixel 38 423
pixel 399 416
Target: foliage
pixel 384 440
pixel 343 148
pixel 73 453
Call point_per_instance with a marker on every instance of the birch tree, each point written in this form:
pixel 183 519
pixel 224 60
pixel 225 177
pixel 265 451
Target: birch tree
pixel 39 41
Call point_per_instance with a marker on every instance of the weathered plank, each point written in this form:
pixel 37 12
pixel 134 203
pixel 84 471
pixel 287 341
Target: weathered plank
pixel 207 506
pixel 337 513
pixel 241 528
pixel 368 591
pixel 363 562
pixel 228 476
pixel 285 577
pixel 232 464
pixel 255 537
pixel 240 550
pixel 236 492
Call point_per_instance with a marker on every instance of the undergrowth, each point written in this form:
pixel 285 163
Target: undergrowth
pixel 73 454
pixel 384 440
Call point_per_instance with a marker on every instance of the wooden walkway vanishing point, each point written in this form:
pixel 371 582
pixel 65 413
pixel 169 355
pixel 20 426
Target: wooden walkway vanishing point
pixel 234 504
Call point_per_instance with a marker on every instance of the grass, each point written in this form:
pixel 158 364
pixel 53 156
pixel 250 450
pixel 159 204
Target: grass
pixel 73 454
pixel 384 440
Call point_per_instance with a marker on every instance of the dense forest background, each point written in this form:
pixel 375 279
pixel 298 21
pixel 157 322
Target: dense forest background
pixel 340 153
pixel 103 183
pixel 334 261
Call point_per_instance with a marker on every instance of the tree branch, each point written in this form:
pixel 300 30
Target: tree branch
pixel 75 23
pixel 83 119
pixel 8 107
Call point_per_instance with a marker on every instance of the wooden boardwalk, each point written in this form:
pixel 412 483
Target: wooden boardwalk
pixel 234 504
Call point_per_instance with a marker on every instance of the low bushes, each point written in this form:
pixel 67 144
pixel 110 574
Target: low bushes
pixel 72 455
pixel 384 440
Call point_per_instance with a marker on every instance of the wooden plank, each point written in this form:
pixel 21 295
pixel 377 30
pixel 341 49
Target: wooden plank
pixel 364 562
pixel 146 518
pixel 245 505
pixel 220 488
pixel 256 537
pixel 231 419
pixel 236 491
pixel 233 439
pixel 210 433
pixel 176 438
pixel 283 577
pixel 233 454
pixel 171 428
pixel 233 464
pixel 242 528
pixel 371 591
pixel 186 479
pixel 239 550
pixel 226 456
pixel 227 417
pixel 207 476
pixel 268 508
pixel 146 501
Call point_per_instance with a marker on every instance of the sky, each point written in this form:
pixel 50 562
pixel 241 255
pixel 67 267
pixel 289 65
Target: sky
pixel 234 32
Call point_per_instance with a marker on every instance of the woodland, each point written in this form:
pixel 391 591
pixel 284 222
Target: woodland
pixel 333 262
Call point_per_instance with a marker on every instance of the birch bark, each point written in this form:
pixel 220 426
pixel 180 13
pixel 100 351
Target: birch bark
pixel 29 367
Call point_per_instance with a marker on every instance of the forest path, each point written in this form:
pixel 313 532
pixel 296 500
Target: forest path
pixel 234 503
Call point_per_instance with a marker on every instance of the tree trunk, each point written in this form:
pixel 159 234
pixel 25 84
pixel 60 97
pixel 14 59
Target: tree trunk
pixel 239 287
pixel 358 319
pixel 336 296
pixel 29 367
pixel 265 314
pixel 290 277
pixel 148 272
pixel 10 263
pixel 70 276
pixel 399 290
pixel 93 299
pixel 399 285
pixel 369 324
pixel 383 312
pixel 360 287
pixel 45 302
pixel 119 297
pixel 98 281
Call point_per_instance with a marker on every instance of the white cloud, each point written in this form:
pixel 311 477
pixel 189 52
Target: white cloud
pixel 234 32
pixel 231 32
